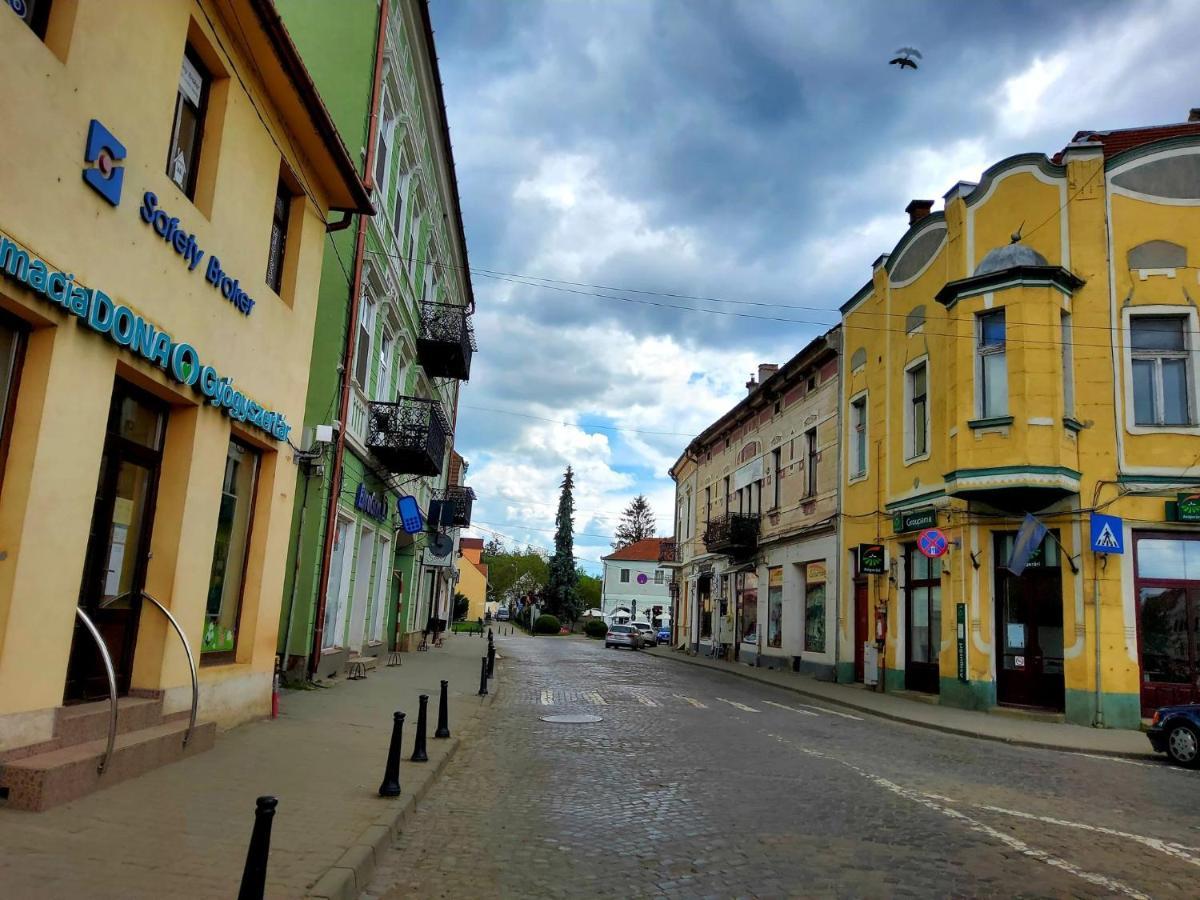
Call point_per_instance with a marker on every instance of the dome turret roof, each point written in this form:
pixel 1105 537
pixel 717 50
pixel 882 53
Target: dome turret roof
pixel 1008 257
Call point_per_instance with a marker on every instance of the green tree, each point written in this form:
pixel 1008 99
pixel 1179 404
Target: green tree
pixel 637 523
pixel 508 569
pixel 562 589
pixel 461 605
pixel 589 591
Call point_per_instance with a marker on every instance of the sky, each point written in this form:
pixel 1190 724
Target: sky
pixel 657 152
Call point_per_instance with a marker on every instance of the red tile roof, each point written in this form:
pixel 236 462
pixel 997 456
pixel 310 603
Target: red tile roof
pixel 1121 139
pixel 639 551
pixel 470 543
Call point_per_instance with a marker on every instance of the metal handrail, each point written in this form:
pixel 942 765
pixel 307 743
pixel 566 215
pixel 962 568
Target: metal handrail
pixel 187 648
pixel 112 685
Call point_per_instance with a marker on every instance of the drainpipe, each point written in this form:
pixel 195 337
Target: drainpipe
pixel 314 656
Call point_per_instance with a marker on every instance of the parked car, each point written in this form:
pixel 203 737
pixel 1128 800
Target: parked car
pixel 623 636
pixel 664 634
pixel 648 636
pixel 1175 731
pixel 502 614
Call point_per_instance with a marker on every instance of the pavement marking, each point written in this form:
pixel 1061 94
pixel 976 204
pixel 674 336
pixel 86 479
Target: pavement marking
pixel 594 698
pixel 645 701
pixel 547 698
pixel 1163 766
pixel 832 712
pixel 1008 840
pixel 803 712
pixel 736 705
pixel 696 703
pixel 1179 851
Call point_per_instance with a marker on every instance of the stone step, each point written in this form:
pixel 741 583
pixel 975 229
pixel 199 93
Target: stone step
pixel 89 721
pixel 369 662
pixel 57 776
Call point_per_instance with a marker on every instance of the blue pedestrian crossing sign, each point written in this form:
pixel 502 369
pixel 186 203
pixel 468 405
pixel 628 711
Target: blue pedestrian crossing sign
pixel 1108 534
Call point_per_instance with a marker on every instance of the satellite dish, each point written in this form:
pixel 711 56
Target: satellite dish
pixel 440 545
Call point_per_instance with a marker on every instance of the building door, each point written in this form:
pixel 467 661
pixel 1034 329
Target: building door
pixel 383 592
pixel 923 614
pixel 1167 583
pixel 114 572
pixel 335 590
pixel 1029 628
pixel 362 589
pixel 862 626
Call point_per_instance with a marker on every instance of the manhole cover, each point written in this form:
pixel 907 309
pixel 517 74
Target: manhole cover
pixel 573 719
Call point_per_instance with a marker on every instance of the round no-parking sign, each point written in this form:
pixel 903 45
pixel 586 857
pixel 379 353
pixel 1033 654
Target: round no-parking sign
pixel 932 542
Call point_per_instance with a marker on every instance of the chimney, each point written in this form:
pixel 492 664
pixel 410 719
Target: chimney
pixel 751 385
pixel 1194 114
pixel 917 210
pixel 766 370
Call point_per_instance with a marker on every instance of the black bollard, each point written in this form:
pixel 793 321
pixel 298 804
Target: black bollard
pixel 491 660
pixel 483 676
pixel 489 634
pixel 443 729
pixel 390 787
pixel 254 875
pixel 419 754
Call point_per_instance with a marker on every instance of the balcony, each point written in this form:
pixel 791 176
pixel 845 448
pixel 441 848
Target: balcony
pixel 732 535
pixel 446 341
pixel 668 551
pixel 452 507
pixel 408 437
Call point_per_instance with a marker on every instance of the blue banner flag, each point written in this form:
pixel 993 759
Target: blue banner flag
pixel 1029 538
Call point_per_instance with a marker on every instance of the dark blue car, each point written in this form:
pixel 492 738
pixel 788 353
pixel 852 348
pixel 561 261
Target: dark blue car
pixel 1175 731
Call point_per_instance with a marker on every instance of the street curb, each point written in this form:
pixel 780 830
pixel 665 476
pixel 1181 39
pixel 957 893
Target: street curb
pixel 347 878
pixel 932 726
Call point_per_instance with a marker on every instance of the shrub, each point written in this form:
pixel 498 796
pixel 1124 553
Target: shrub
pixel 546 624
pixel 595 628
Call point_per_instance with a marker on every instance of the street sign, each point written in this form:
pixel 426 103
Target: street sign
pixel 871 558
pixel 961 613
pixel 915 520
pixel 932 542
pixel 1108 534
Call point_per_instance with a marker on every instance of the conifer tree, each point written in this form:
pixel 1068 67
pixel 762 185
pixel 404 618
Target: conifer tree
pixel 562 591
pixel 637 523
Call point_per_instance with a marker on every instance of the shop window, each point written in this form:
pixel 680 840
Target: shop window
pixel 34 13
pixel 746 585
pixel 280 214
pixel 187 133
pixel 1161 370
pixel 624 576
pixel 12 347
pixel 814 607
pixel 810 463
pixel 366 330
pixel 227 578
pixel 916 430
pixel 858 437
pixel 991 367
pixel 775 607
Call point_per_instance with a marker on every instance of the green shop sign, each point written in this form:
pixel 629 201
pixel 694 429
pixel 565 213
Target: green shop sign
pixel 871 559
pixel 1187 507
pixel 915 520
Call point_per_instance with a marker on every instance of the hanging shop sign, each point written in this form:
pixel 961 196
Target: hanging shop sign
pixel 409 510
pixel 372 504
pixel 932 542
pixel 915 520
pixel 814 573
pixel 871 559
pixel 1187 507
pixel 121 325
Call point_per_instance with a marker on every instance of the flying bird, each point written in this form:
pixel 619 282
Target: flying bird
pixel 904 58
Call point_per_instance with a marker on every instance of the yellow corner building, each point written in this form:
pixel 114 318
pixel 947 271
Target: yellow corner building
pixel 167 181
pixel 1032 350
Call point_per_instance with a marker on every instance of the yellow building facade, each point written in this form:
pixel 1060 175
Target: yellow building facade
pixel 165 189
pixel 1032 350
pixel 472 577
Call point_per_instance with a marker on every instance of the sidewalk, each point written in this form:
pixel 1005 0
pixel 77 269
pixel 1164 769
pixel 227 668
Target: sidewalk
pixel 183 830
pixel 988 726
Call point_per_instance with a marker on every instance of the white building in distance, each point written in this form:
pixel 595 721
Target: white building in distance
pixel 634 582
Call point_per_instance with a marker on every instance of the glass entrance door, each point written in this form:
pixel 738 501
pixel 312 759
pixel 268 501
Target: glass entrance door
pixel 118 546
pixel 1167 580
pixel 923 608
pixel 1029 628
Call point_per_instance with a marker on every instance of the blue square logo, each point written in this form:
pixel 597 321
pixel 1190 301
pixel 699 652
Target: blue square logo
pixel 103 153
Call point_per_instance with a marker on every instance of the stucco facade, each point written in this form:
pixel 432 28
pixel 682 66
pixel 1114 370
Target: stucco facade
pixel 635 581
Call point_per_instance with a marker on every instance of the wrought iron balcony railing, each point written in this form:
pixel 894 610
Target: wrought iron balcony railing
pixel 668 551
pixel 409 436
pixel 451 508
pixel 446 342
pixel 734 534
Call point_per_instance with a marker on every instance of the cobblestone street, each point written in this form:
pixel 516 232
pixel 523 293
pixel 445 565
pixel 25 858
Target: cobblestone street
pixel 696 783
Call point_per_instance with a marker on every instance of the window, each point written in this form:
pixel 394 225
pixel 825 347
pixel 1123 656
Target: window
pixel 917 433
pixel 1068 367
pixel 707 503
pixel 727 509
pixel 658 576
pixel 226 579
pixel 775 607
pixel 776 472
pixel 814 607
pixel 858 438
pixel 279 229
pixel 688 520
pixel 811 384
pixel 414 231
pixel 778 406
pixel 191 102
pixel 12 344
pixel 35 14
pixel 991 373
pixel 746 595
pixel 383 152
pixel 624 576
pixel 810 464
pixel 383 387
pixel 398 212
pixel 383 591
pixel 366 328
pixel 1161 370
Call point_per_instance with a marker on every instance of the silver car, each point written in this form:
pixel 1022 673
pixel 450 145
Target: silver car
pixel 649 638
pixel 623 636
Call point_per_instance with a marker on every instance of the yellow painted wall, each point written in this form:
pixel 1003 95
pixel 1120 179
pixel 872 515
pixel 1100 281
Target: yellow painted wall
pixel 119 63
pixel 472 584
